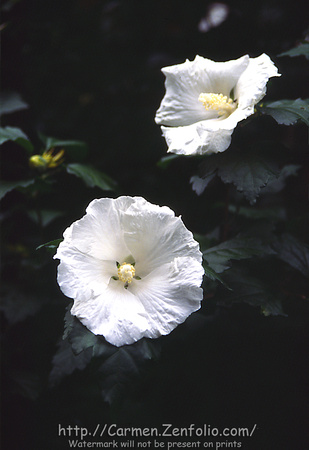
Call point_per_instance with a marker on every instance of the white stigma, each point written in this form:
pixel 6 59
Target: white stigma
pixel 217 102
pixel 126 273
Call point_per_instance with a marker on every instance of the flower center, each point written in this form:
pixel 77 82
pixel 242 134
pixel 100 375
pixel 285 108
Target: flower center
pixel 126 273
pixel 217 102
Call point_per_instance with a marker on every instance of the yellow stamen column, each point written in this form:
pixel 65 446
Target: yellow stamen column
pixel 126 273
pixel 217 102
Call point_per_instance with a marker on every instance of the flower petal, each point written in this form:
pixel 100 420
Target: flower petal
pixel 197 139
pixel 251 86
pixel 151 307
pixel 156 236
pixel 99 233
pixel 116 314
pixel 170 294
pixel 185 82
pixel 81 272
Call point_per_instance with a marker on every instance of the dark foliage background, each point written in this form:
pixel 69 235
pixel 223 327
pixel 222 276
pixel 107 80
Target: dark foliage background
pixel 90 71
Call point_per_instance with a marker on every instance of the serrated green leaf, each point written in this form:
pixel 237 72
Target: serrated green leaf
pixel 77 348
pixel 249 173
pixel 252 291
pixel 300 50
pixel 92 177
pixel 219 257
pixel 65 362
pixel 125 366
pixel 288 112
pixel 294 252
pixel 7 186
pixel 15 135
pixel 82 339
pixel 212 275
pixel 51 245
pixel 249 170
pixel 11 102
pixel 120 366
pixel 278 184
pixel 68 321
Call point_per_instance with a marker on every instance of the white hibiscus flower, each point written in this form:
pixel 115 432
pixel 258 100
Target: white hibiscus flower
pixel 132 268
pixel 205 100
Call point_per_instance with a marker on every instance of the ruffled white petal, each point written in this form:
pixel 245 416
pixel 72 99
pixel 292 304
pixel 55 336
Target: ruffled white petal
pixel 151 307
pixel 167 263
pixel 251 86
pixel 156 236
pixel 81 272
pixel 116 314
pixel 99 238
pixel 196 139
pixel 170 294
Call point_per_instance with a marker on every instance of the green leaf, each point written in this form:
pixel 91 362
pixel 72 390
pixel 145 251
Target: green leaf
pixel 125 366
pixel 45 216
pixel 51 142
pixel 249 173
pixel 82 339
pixel 219 257
pixel 120 365
pixel 11 102
pixel 278 184
pixel 92 177
pixel 293 252
pixel 288 112
pixel 207 240
pixel 76 150
pixel 7 186
pixel 166 161
pixel 250 290
pixel 65 362
pixel 77 348
pixel 212 275
pixel 15 135
pixel 302 49
pixel 68 321
pixel 51 245
pixel 249 169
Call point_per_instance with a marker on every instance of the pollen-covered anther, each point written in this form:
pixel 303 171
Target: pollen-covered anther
pixel 126 273
pixel 217 102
